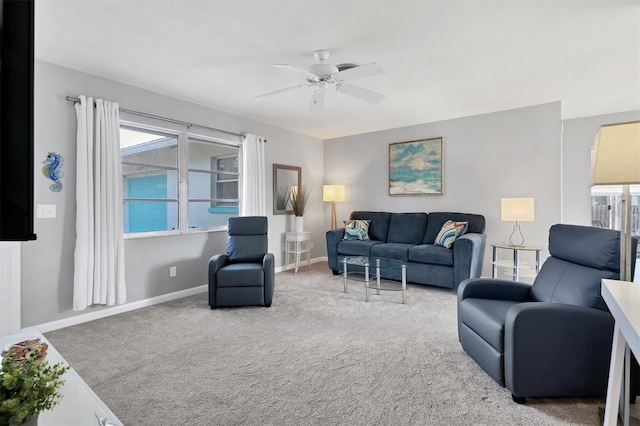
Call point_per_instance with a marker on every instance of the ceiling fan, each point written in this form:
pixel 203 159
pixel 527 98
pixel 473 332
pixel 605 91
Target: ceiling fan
pixel 322 75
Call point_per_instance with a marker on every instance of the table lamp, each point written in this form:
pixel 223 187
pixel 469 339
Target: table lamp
pixel 616 161
pixel 516 210
pixel 333 193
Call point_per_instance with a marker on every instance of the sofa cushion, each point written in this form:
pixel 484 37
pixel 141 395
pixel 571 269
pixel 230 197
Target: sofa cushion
pixel 429 253
pixel 449 232
pixel 357 229
pixel 356 247
pixel 397 251
pixel 475 223
pixel 407 228
pixel 486 317
pixel 379 225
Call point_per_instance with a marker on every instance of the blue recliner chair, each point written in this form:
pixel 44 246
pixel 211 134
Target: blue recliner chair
pixel 552 339
pixel 246 274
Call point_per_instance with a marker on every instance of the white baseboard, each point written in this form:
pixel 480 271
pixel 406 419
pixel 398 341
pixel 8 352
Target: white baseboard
pixel 119 309
pixel 115 310
pixel 302 264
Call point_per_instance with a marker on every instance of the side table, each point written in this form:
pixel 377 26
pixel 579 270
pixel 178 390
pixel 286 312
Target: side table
pixel 296 244
pixel 519 269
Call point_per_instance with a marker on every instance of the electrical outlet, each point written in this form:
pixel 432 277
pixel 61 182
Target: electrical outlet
pixel 173 271
pixel 46 211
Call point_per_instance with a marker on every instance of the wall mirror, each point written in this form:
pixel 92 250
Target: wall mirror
pixel 284 177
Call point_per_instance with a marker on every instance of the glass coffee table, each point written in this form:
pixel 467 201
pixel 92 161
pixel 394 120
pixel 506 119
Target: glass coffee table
pixel 367 269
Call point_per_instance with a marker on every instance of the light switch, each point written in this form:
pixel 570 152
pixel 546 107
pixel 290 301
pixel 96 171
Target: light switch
pixel 46 211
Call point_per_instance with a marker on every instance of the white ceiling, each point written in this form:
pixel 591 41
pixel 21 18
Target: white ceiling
pixel 443 59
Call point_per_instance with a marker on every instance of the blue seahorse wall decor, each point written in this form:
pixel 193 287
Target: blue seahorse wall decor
pixel 51 170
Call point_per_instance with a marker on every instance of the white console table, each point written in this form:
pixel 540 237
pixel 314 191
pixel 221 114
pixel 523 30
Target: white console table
pixel 79 405
pixel 623 300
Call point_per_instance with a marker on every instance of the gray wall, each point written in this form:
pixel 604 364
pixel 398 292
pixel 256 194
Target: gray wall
pixel 577 140
pixel 47 263
pixel 487 157
pixel 516 153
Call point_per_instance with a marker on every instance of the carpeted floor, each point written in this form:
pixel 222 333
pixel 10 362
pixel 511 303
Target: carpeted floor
pixel 317 356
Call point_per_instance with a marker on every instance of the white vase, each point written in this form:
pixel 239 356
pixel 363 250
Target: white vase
pixel 299 223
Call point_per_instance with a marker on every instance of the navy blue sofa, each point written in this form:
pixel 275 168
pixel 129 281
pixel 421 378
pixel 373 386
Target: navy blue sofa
pixel 409 237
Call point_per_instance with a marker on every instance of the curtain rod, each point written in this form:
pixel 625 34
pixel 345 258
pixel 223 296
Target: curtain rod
pixel 170 120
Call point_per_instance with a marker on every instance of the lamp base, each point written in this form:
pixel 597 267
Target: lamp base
pixel 333 215
pixel 516 238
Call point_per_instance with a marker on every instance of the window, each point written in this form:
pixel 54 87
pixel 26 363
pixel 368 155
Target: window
pixel 213 184
pixel 606 208
pixel 177 182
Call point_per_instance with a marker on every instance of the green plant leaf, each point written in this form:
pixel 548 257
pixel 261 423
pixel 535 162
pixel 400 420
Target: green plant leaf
pixel 28 386
pixel 299 199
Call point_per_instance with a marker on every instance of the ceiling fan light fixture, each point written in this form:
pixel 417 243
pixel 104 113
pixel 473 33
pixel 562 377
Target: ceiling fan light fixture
pixel 322 86
pixel 323 70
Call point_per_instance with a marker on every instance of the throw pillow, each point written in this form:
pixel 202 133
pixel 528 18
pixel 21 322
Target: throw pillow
pixel 357 229
pixel 449 232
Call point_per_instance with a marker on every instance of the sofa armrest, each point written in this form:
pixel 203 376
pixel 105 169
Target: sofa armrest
pixel 490 288
pixel 268 265
pixel 468 253
pixel 553 349
pixel 334 236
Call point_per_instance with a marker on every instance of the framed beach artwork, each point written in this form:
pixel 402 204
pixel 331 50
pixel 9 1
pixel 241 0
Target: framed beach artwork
pixel 415 167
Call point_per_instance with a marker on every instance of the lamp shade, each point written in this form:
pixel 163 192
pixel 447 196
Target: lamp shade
pixel 333 193
pixel 516 209
pixel 616 155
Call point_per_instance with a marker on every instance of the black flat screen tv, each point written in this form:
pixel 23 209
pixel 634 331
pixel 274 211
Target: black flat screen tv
pixel 16 120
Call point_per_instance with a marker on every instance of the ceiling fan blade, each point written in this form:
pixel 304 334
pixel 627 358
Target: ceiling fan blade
pixel 367 70
pixel 360 93
pixel 277 92
pixel 308 75
pixel 317 100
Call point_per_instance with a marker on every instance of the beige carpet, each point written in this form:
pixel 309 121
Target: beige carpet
pixel 316 357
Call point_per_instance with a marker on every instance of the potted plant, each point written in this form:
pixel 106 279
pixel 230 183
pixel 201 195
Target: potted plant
pixel 299 197
pixel 29 385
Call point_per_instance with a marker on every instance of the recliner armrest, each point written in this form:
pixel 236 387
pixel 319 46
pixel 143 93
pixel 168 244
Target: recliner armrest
pixel 553 349
pixel 268 265
pixel 490 288
pixel 216 262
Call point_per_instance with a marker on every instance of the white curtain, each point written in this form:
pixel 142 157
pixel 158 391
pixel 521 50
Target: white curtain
pixel 99 253
pixel 254 195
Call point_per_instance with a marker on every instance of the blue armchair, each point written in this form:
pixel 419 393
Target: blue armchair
pixel 246 274
pixel 552 339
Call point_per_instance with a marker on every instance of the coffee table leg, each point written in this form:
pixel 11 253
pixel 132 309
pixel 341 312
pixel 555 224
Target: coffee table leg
pixel 344 275
pixel 366 282
pixel 404 284
pixel 378 276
